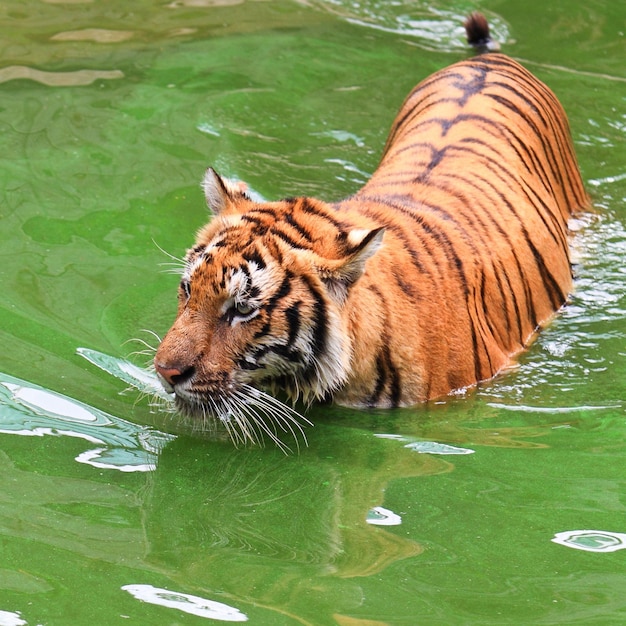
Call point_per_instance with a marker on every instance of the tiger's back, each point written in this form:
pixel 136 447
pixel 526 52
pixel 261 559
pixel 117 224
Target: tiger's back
pixel 476 184
pixel 430 278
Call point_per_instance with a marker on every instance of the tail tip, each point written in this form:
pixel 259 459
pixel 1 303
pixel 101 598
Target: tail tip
pixel 478 35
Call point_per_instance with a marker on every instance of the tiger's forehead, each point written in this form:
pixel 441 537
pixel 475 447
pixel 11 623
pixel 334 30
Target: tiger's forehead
pixel 226 267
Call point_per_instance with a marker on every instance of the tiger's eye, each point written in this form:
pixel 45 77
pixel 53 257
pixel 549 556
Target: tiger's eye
pixel 243 308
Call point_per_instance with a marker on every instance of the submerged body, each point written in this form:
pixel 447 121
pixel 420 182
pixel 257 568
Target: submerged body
pixel 475 189
pixel 430 278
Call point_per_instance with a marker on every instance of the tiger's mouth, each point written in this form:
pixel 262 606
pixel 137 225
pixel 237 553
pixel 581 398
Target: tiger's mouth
pixel 248 414
pixel 197 403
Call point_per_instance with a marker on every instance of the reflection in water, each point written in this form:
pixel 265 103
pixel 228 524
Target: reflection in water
pixel 432 447
pixel 99 35
pixel 30 410
pixel 124 370
pixel 8 618
pixel 556 410
pixel 186 603
pixel 427 447
pixel 379 516
pixel 247 523
pixel 57 79
pixel 260 527
pixel 592 540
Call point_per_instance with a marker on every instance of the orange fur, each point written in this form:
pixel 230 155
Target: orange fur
pixel 430 278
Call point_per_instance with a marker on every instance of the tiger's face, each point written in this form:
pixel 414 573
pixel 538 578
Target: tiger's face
pixel 246 320
pixel 255 314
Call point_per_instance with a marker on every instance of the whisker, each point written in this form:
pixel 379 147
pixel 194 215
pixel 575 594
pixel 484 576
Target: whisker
pixel 166 253
pixel 281 415
pixel 276 405
pixel 149 351
pixel 223 413
pixel 246 414
pixel 269 410
pixel 245 425
pixel 261 424
pixel 254 426
pixel 286 425
pixel 151 332
pixel 172 268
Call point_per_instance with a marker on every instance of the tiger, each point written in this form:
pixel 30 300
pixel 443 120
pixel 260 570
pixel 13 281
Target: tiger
pixel 429 279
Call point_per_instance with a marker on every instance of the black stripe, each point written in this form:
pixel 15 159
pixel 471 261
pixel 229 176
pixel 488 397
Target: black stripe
pixel 387 373
pixel 254 256
pixel 283 291
pixel 301 230
pixel 381 382
pixel 264 210
pixel 244 364
pixel 559 236
pixel 528 191
pixel 502 274
pixel 549 110
pixel 481 308
pixel 306 205
pixel 427 89
pixel 261 225
pixel 320 318
pixel 394 386
pixel 286 352
pixel 243 267
pixel 493 330
pixel 441 238
pixel 286 238
pixel 485 243
pixel 319 330
pixel 292 314
pixel 554 291
pixel 550 156
pixel 383 218
pixel 489 215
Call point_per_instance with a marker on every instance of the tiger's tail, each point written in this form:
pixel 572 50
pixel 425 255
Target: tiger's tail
pixel 478 35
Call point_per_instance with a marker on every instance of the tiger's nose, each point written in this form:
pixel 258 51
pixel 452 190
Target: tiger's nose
pixel 171 376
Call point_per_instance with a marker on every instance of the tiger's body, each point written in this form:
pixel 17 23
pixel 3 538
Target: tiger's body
pixel 430 278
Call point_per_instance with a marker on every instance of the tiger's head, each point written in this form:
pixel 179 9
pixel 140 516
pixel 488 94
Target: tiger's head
pixel 262 308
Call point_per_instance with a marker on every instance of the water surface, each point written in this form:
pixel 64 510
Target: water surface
pixel 504 505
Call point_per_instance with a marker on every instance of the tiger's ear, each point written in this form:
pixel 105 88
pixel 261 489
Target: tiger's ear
pixel 221 193
pixel 346 271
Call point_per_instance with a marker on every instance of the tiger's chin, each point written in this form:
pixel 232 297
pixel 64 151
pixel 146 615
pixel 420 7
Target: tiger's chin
pixel 247 414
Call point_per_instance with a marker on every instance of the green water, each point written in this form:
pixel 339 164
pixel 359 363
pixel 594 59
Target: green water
pixel 110 513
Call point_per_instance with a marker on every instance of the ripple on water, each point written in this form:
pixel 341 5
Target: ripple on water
pixel 8 618
pixel 97 35
pixel 187 603
pixel 113 443
pixel 584 341
pixel 591 540
pixel 57 79
pixel 427 26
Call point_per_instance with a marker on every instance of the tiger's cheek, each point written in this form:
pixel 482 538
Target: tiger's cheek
pixel 272 345
pixel 237 347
